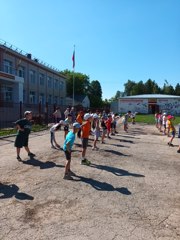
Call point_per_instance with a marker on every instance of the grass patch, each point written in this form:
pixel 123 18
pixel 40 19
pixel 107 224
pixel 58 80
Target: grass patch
pixel 11 131
pixel 149 119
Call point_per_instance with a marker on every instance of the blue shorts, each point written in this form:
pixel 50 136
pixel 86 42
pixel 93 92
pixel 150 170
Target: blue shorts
pixel 68 155
pixel 173 133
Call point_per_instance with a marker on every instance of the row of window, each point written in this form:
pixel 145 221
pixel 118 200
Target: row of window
pixel 20 71
pixel 33 97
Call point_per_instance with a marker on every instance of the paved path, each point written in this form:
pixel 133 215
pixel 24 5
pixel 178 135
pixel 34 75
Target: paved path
pixel 131 191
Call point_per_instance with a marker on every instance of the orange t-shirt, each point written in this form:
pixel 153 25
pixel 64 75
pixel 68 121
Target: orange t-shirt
pixel 85 129
pixel 79 119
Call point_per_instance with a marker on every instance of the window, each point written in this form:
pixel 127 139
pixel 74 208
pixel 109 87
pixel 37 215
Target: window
pixel 32 97
pixel 42 98
pixel 8 66
pixel 61 101
pixel 8 94
pixel 61 87
pixel 32 77
pixel 41 79
pixel 56 84
pixel 21 72
pixel 50 99
pixel 49 82
pixel 55 99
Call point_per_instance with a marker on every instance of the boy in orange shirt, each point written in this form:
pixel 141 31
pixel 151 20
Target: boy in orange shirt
pixel 85 131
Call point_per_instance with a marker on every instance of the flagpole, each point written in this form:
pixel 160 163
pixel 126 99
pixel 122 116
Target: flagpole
pixel 73 73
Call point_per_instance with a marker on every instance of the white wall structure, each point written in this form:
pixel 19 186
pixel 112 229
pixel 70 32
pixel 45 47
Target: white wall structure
pixel 149 103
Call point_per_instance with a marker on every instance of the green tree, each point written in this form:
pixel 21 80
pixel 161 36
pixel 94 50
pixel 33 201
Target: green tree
pixel 177 89
pixel 138 88
pixel 117 96
pixel 95 94
pixel 151 87
pixel 168 89
pixel 81 83
pixel 128 87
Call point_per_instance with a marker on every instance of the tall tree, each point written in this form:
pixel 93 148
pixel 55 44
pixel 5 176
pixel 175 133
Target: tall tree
pixel 128 87
pixel 151 87
pixel 81 83
pixel 177 89
pixel 138 88
pixel 168 89
pixel 95 94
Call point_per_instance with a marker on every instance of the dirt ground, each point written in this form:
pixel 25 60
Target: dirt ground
pixel 131 191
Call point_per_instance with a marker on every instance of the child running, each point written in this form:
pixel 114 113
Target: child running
pixel 67 147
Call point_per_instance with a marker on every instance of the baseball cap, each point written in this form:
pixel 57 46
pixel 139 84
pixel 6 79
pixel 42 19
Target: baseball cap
pixel 170 117
pixel 95 115
pixel 27 112
pixel 87 116
pixel 76 125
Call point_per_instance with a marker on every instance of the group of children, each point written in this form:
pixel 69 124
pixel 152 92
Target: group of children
pixel 164 123
pixel 98 125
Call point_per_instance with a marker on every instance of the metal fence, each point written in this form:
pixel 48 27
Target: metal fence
pixel 42 114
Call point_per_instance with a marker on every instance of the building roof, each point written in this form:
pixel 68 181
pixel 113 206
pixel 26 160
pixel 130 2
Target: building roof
pixel 145 96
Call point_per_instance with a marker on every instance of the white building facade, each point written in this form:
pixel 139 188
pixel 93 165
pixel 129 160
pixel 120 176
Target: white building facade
pixel 148 103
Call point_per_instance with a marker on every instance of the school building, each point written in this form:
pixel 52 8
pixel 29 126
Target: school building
pixel 148 103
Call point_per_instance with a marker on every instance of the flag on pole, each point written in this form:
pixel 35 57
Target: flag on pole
pixel 73 59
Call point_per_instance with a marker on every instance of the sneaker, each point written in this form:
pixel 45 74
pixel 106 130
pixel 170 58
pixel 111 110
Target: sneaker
pixel 170 144
pixel 178 151
pixel 19 159
pixel 95 148
pixel 67 177
pixel 31 154
pixel 85 162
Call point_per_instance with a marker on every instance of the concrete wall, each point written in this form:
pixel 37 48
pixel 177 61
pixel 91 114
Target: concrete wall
pixel 133 105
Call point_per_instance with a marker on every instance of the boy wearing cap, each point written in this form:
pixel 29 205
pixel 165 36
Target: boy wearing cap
pixel 170 129
pixel 22 137
pixel 85 131
pixel 67 147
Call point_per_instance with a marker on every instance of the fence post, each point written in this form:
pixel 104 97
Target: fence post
pixel 39 111
pixel 46 113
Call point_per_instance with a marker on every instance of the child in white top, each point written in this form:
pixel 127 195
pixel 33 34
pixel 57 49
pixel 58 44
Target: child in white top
pixel 53 129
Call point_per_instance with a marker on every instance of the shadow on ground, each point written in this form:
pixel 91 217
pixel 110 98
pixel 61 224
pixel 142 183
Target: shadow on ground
pixel 116 171
pixel 43 165
pixel 102 186
pixel 12 190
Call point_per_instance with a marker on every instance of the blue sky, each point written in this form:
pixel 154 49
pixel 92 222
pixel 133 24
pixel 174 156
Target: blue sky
pixel 115 40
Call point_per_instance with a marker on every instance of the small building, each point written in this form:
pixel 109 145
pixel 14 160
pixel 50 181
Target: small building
pixel 82 100
pixel 148 103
